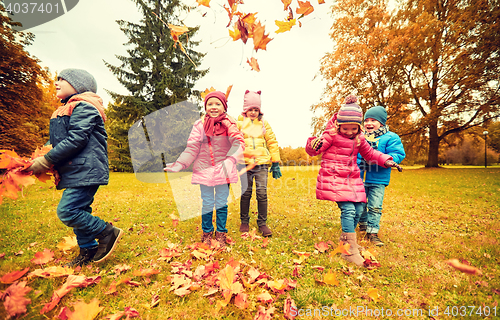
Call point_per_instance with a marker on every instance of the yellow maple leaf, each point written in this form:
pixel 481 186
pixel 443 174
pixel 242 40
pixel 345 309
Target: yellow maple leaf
pixel 373 293
pixel 67 243
pixel 235 34
pixel 284 25
pixel 205 3
pixel 330 278
pixel 85 311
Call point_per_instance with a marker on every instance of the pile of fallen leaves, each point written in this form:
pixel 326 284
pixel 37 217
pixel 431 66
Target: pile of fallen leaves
pixel 14 178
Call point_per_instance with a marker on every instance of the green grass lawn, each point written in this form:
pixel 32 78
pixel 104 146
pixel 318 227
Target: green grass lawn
pixel 430 216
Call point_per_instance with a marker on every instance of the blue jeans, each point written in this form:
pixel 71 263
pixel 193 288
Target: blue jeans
pixel 219 200
pixel 372 211
pixel 75 212
pixel 259 173
pixel 349 214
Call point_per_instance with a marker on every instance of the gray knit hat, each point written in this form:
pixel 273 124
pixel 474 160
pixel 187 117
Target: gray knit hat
pixel 79 79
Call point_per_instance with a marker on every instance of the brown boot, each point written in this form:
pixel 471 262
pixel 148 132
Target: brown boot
pixel 245 227
pixel 221 237
pixel 266 232
pixel 206 237
pixel 373 238
pixel 354 248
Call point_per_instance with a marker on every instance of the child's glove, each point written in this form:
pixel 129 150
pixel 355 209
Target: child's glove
pixel 390 163
pixel 317 143
pixel 275 169
pixel 173 167
pixel 40 165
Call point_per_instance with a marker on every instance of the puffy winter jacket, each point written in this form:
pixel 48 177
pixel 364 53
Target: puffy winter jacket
pixel 388 143
pixel 79 142
pixel 209 153
pixel 338 177
pixel 261 146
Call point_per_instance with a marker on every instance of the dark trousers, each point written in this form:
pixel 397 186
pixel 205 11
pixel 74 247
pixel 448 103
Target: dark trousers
pixel 259 173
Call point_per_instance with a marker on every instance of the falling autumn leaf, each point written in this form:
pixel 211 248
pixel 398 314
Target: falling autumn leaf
pixel 321 1
pixel 253 64
pixel 85 311
pixel 15 298
pixel 260 39
pixel 67 244
pixel 304 8
pixel 43 257
pixel 463 267
pixel 286 3
pixel 207 91
pixel 373 293
pixel 13 276
pixel 235 34
pixel 205 3
pixel 284 26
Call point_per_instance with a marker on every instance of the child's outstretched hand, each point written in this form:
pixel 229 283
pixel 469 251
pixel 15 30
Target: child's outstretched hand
pixel 390 163
pixel 317 143
pixel 173 167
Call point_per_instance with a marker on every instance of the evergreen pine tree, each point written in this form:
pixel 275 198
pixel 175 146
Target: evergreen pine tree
pixel 156 72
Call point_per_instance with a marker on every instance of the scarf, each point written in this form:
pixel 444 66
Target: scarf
pixel 214 126
pixel 371 139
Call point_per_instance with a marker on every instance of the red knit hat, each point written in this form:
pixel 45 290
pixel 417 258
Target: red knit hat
pixel 251 100
pixel 216 94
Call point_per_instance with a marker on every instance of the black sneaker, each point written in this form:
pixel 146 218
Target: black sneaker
pixel 108 239
pixel 373 238
pixel 86 256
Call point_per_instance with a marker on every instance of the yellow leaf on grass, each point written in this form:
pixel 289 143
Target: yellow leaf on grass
pixel 67 243
pixel 85 311
pixel 330 278
pixel 373 293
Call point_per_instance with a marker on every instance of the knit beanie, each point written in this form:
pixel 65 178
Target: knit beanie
pixel 79 79
pixel 216 94
pixel 378 113
pixel 350 112
pixel 251 100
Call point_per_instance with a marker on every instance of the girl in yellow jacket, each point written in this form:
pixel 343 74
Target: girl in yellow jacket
pixel 261 149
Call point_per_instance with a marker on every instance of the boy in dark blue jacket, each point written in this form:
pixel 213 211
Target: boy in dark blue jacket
pixel 377 178
pixel 79 153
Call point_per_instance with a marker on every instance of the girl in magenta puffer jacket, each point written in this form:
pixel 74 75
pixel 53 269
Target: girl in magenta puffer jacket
pixel 215 145
pixel 339 179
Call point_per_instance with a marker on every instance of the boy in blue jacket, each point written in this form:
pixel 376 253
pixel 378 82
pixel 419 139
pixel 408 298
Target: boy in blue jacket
pixel 376 178
pixel 79 153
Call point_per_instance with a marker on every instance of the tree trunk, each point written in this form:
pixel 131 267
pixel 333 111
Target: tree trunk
pixel 433 155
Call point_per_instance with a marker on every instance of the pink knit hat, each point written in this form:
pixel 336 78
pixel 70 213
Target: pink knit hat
pixel 251 100
pixel 216 94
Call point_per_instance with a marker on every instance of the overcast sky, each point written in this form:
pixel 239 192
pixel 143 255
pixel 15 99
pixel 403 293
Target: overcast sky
pixel 88 34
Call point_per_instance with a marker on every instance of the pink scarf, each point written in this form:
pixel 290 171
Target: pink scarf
pixel 214 126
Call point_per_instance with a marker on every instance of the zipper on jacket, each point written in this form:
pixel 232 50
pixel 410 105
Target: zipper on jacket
pixel 350 171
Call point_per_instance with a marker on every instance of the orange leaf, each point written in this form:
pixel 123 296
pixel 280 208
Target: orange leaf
pixel 205 3
pixel 330 278
pixel 73 281
pixel 228 91
pixel 226 277
pixel 265 242
pixel 253 63
pixel 52 272
pixel 145 272
pixel 287 308
pixel 321 247
pixel 182 291
pixel 241 301
pixel 463 267
pixel 43 257
pixel 304 8
pixel 13 276
pixel 249 18
pixel 260 39
pixel 265 297
pixel 85 311
pixel 284 25
pixel 235 34
pixel 286 3
pixel 321 1
pixel 263 314
pixel 207 91
pixel 373 293
pixel 15 301
pixel 342 248
pixel 67 244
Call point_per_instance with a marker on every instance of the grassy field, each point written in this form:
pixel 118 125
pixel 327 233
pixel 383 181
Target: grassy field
pixel 430 216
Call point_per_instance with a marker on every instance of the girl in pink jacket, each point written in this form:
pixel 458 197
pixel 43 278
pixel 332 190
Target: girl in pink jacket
pixel 214 145
pixel 339 178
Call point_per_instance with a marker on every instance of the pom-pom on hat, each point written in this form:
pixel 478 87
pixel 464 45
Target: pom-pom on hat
pixel 378 113
pixel 216 94
pixel 251 100
pixel 79 79
pixel 350 112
